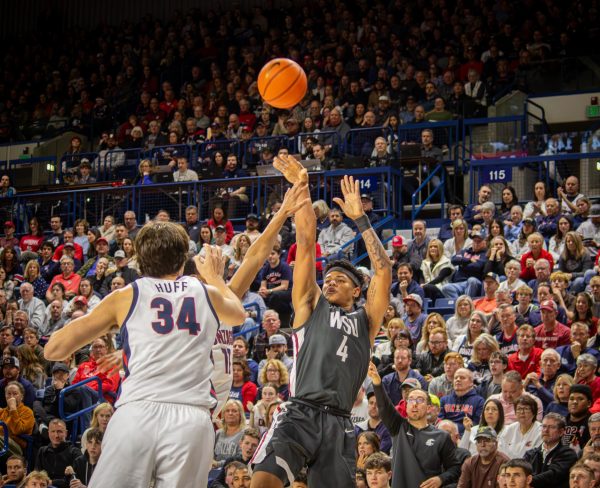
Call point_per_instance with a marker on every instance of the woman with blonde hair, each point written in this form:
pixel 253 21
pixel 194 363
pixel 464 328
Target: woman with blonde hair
pixel 146 174
pixel 575 260
pixel 483 347
pixel 459 240
pixel 242 244
pixel 433 321
pixel 394 326
pixel 227 438
pixel 100 418
pixel 436 269
pixel 32 275
pixel 274 371
pixel 458 323
pixel 258 415
pixel 561 391
pixel 464 343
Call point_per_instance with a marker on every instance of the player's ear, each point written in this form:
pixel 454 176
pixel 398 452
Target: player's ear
pixel 356 292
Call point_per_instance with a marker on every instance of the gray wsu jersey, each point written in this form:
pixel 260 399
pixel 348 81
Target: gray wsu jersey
pixel 331 356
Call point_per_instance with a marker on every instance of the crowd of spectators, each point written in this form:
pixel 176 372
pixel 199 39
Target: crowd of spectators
pixel 496 317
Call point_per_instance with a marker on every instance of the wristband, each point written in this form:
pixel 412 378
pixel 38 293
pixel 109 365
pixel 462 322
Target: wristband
pixel 363 223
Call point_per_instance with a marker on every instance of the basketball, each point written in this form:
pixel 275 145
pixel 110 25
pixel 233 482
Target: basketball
pixel 282 83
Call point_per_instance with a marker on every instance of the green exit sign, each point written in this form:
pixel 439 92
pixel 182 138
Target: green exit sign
pixel 592 111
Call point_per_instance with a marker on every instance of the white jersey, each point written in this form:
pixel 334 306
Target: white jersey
pixel 222 377
pixel 167 338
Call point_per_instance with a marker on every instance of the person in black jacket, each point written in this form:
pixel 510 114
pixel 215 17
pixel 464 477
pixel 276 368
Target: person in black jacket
pixel 551 461
pixel 84 466
pixel 428 455
pixel 56 456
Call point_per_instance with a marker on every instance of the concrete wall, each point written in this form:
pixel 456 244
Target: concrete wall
pixel 563 108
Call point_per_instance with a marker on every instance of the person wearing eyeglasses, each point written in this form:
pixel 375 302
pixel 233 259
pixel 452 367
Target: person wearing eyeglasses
pixel 524 434
pixel 552 460
pixel 482 468
pixel 428 454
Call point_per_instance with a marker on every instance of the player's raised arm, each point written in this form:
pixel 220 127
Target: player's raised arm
pixel 76 334
pixel 259 251
pixel 305 291
pixel 378 295
pixel 227 305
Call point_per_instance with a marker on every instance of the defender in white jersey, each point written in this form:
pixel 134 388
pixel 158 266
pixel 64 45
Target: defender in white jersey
pixel 162 427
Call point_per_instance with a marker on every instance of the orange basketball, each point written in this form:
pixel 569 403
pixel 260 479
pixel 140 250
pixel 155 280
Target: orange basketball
pixel 282 83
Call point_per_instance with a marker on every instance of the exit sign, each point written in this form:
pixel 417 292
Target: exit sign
pixel 592 111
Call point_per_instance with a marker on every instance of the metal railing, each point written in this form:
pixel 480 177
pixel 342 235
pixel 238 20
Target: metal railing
pixel 440 188
pixel 78 417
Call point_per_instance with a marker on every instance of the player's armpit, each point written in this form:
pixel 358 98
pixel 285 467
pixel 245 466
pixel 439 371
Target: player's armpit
pixel 76 334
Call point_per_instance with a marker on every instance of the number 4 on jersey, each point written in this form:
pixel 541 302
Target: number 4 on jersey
pixel 185 320
pixel 343 350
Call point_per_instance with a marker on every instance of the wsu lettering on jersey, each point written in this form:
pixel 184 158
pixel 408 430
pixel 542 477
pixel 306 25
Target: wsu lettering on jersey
pixel 349 325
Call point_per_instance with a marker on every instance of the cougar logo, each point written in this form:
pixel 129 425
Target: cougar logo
pixel 430 442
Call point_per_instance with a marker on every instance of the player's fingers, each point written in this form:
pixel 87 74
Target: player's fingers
pixel 339 202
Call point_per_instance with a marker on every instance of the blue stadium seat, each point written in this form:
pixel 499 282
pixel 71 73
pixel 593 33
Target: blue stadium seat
pixel 445 303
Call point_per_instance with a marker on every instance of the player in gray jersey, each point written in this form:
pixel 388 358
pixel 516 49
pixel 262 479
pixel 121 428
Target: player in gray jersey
pixel 332 344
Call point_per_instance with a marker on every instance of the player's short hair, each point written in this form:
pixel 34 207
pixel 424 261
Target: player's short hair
pixel 161 249
pixel 348 268
pixel 378 460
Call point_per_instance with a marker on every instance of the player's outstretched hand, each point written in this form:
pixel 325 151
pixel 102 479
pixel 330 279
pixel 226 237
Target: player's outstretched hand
pixel 110 363
pixel 373 374
pixel 294 199
pixel 291 168
pixel 351 204
pixel 211 266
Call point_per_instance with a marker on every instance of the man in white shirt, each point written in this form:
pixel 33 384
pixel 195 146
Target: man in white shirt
pixel 35 308
pixel 183 173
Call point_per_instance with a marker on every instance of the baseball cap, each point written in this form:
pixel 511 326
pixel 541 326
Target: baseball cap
pixel 246 128
pixel 415 298
pixel 80 299
pixel 367 196
pixel 384 98
pixel 492 276
pixel 68 244
pixel 102 239
pixel 60 367
pixel 529 221
pixel 548 305
pixel 476 235
pixel 11 361
pixel 397 241
pixel 411 383
pixel 487 432
pixel 252 216
pixel 277 340
pixel 120 254
pixel 8 223
pixel 595 210
pixel 435 400
pixel 219 228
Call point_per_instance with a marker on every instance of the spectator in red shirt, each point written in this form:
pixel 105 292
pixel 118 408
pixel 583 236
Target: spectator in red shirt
pixel 585 374
pixel 527 358
pixel 220 218
pixel 242 388
pixel 535 241
pixel 89 368
pixel 9 239
pixel 33 240
pixel 67 278
pixel 551 333
pixel 169 103
pixel 68 236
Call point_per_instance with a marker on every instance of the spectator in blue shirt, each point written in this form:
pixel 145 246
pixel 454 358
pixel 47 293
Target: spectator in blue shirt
pixel 392 383
pixel 414 318
pixel 469 274
pixel 406 285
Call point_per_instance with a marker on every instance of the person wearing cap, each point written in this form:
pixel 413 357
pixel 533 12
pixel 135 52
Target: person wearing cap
pixel 251 230
pixel 9 239
pixel 122 270
pixel 112 157
pixel 463 401
pixel 394 382
pixel 399 255
pixel 482 469
pixel 590 229
pixel 277 349
pixel 102 247
pixel 220 238
pixel 68 278
pixel 373 423
pixel 577 433
pixel 470 263
pixel 47 409
pixel 551 333
pixel 414 317
pixel 552 460
pixel 428 456
pixel 487 304
pixel 11 371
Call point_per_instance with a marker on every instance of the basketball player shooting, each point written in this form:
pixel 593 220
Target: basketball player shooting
pixel 332 347
pixel 162 427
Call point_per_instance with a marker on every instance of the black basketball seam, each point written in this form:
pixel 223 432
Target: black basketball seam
pixel 287 89
pixel 277 64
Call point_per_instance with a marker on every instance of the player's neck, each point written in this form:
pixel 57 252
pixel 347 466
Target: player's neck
pixel 170 277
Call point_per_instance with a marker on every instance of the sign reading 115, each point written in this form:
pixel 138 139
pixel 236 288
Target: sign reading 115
pixel 496 175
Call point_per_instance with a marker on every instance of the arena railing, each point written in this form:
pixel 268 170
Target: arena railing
pixel 78 416
pixel 502 134
pixel 417 208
